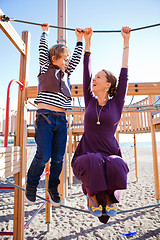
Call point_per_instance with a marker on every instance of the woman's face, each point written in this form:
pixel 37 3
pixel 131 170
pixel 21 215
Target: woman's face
pixel 99 82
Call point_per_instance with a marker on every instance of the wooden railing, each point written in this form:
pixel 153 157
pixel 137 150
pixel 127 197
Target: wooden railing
pixel 12 122
pixel 10 158
pixel 134 119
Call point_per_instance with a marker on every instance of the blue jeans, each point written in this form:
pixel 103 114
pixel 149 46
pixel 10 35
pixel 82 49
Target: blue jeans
pixel 51 142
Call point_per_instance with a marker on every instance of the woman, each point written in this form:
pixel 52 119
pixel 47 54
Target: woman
pixel 97 161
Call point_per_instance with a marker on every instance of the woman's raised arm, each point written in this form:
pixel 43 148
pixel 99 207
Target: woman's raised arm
pixel 125 32
pixel 88 32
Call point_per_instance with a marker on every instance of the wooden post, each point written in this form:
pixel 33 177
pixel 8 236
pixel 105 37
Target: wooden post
pixel 154 152
pixel 75 142
pixel 21 140
pixel 70 149
pixel 48 207
pixel 135 157
pixel 117 136
pixel 62 19
pixel 62 40
pixel 62 186
pixel 13 36
pixel 66 179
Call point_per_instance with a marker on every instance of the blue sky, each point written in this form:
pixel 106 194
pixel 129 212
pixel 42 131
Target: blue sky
pixel 144 60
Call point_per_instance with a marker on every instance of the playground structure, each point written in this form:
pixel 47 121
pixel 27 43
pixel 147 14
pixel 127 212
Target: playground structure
pixel 136 118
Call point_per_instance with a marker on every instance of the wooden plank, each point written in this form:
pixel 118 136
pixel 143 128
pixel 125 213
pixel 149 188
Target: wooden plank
pixel 32 92
pixel 143 109
pixel 137 121
pixel 10 171
pixel 133 122
pixel 75 113
pixel 148 114
pixel 128 122
pixel 6 174
pixel 30 132
pixel 140 121
pixel 82 118
pixel 31 117
pixel 9 161
pixel 9 149
pixel 157 127
pixel 7 166
pixel 144 88
pixel 77 89
pixel 135 131
pixel 8 156
pixel 124 122
pixel 145 120
pixel 13 36
pixel 156 120
pixel 78 130
pixel 141 118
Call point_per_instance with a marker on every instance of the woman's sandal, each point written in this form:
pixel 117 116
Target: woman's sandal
pixel 96 211
pixel 111 210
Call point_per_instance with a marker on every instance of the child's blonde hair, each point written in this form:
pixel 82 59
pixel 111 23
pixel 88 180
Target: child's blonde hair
pixel 58 50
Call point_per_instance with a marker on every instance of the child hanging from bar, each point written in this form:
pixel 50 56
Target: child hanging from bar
pixel 54 98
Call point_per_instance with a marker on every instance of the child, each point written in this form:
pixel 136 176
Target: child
pixel 54 98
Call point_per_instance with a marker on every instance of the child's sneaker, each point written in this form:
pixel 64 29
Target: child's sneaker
pixel 54 197
pixel 30 194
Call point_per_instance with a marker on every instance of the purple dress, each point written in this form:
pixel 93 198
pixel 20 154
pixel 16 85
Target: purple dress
pixel 97 161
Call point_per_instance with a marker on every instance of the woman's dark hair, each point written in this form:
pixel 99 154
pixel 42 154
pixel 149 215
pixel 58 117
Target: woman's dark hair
pixel 112 79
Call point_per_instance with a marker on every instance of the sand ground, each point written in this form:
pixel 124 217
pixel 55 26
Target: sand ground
pixel 71 224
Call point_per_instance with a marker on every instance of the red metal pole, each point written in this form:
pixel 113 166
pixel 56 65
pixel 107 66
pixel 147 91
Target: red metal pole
pixel 6 133
pixel 6 233
pixel 7 110
pixel 6 188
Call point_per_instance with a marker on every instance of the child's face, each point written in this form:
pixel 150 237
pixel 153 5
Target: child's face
pixel 62 62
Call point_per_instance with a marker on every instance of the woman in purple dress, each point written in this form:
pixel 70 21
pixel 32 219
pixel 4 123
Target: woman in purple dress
pixel 97 161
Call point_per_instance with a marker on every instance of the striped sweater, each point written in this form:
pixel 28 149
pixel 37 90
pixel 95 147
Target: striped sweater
pixel 55 99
